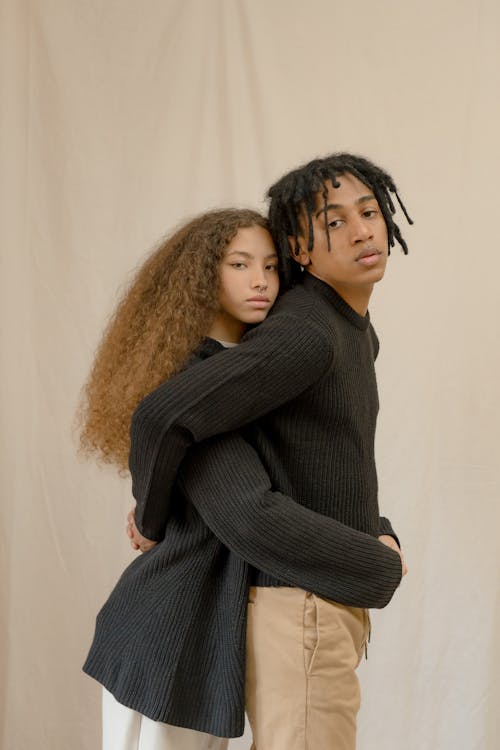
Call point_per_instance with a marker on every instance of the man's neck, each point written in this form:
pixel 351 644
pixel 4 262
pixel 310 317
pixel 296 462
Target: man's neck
pixel 357 297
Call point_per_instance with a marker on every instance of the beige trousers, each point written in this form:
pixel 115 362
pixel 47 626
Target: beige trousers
pixel 302 692
pixel 125 729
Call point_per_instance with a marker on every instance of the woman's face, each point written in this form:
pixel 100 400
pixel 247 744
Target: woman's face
pixel 249 281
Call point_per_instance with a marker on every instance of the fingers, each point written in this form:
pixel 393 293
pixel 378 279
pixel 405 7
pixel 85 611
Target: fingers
pixel 390 542
pixel 137 541
pixel 131 533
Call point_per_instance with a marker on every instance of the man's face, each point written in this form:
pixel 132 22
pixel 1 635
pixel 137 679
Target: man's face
pixel 358 238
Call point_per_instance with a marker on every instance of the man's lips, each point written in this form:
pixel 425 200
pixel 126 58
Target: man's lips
pixel 367 252
pixel 369 256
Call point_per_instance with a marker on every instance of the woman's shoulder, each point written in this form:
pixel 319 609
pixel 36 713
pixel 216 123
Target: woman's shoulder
pixel 206 348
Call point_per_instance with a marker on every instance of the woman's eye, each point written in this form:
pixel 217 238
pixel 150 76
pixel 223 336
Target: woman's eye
pixel 369 213
pixel 335 223
pixel 238 265
pixel 272 267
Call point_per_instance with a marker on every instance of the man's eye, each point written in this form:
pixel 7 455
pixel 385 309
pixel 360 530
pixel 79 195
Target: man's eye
pixel 335 223
pixel 370 212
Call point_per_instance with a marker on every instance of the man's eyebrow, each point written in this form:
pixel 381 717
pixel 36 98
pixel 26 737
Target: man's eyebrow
pixel 335 206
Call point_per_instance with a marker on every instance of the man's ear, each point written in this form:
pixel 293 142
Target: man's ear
pixel 298 250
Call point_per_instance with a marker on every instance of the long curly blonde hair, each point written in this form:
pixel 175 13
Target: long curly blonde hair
pixel 161 318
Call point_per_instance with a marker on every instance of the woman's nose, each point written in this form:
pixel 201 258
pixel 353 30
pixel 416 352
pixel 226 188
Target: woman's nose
pixel 260 283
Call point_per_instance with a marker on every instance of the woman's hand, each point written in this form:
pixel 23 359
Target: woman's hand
pixel 137 541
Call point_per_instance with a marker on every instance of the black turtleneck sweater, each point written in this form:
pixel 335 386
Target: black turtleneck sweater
pixel 304 384
pixel 170 640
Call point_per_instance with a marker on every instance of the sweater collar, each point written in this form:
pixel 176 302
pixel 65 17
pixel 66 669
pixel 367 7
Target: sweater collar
pixel 208 347
pixel 328 293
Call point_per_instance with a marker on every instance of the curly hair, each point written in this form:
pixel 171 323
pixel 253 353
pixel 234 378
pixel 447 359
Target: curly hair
pixel 160 320
pixel 295 194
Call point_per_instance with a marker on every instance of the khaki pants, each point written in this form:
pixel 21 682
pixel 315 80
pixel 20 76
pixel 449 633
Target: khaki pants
pixel 302 692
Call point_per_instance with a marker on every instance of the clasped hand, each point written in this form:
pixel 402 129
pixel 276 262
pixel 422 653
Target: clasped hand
pixel 389 541
pixel 137 541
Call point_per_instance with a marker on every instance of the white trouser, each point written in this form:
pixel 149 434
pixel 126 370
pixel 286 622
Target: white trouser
pixel 126 729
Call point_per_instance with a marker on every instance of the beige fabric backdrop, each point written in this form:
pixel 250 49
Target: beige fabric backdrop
pixel 118 119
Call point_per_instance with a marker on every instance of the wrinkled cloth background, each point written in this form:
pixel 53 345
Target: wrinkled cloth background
pixel 121 119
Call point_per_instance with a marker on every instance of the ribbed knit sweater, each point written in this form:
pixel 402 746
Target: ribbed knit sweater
pixel 170 640
pixel 304 382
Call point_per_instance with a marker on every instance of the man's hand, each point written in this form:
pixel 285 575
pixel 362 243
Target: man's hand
pixel 137 541
pixel 389 541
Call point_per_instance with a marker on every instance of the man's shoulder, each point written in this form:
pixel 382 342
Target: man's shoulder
pixel 296 328
pixel 302 304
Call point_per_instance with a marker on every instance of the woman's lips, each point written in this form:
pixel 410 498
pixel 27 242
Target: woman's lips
pixel 259 302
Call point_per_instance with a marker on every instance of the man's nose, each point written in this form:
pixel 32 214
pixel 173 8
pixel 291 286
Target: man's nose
pixel 360 230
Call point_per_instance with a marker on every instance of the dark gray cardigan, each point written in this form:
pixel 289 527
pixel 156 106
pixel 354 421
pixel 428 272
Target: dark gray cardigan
pixel 170 641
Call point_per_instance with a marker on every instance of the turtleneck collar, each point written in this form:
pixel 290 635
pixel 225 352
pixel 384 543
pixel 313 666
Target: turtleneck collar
pixel 328 293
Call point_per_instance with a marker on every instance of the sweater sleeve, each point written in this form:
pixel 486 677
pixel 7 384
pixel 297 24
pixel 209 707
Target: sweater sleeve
pixel 277 361
pixel 225 480
pixel 385 527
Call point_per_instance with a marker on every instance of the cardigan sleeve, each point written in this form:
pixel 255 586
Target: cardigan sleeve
pixel 225 480
pixel 277 361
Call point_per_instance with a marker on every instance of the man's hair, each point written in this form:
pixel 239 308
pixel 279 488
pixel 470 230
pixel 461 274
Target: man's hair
pixel 295 194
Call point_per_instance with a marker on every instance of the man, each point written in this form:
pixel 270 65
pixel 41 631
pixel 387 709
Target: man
pixel 304 383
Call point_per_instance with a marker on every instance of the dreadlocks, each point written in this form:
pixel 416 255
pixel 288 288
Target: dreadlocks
pixel 296 192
